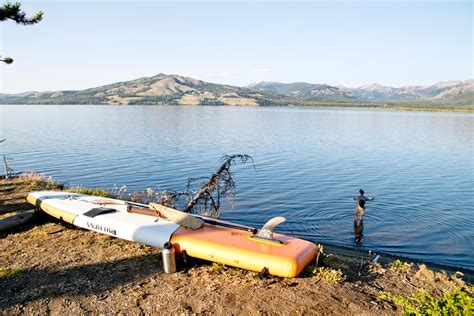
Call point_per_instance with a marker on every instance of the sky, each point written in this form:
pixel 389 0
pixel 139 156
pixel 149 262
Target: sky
pixel 83 44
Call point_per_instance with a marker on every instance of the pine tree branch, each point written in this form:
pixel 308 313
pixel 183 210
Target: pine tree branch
pixel 12 11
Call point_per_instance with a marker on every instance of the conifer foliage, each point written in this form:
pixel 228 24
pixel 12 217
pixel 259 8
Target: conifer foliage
pixel 12 11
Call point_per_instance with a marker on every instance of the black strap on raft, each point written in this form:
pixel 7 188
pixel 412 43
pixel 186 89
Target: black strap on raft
pixel 268 240
pixel 252 230
pixel 99 211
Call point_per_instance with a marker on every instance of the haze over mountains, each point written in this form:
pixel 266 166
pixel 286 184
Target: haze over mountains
pixel 174 89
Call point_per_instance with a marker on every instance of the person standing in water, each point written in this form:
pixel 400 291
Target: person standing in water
pixel 363 197
pixel 359 211
pixel 358 230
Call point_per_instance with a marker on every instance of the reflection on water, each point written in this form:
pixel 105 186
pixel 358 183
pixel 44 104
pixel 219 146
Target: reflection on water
pixel 358 230
pixel 309 164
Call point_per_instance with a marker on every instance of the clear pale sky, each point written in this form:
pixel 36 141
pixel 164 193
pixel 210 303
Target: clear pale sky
pixel 82 44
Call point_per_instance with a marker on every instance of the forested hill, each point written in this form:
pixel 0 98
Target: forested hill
pixel 159 89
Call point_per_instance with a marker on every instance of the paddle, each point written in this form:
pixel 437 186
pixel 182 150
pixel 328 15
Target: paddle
pixel 178 217
pixel 229 225
pixel 203 218
pixel 194 221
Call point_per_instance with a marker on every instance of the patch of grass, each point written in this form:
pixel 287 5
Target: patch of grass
pixel 94 192
pixel 333 262
pixel 37 182
pixel 328 274
pixel 398 265
pixel 454 302
pixel 328 267
pixel 218 268
pixel 4 272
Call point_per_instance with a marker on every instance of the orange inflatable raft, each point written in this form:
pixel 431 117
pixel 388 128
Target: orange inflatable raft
pixel 244 250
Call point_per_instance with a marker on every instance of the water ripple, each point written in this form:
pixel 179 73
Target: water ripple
pixel 309 165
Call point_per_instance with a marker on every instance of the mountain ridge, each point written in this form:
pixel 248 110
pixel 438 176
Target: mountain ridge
pixel 165 89
pixel 376 91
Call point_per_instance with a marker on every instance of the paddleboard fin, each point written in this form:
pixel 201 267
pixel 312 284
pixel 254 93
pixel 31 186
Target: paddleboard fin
pixel 267 230
pixel 178 217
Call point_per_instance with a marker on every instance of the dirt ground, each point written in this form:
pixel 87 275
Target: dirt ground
pixel 49 267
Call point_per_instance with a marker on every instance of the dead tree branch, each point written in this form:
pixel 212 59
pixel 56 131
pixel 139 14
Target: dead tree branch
pixel 207 198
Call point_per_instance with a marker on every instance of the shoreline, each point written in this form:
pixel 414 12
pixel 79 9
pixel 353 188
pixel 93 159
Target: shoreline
pixel 386 258
pixel 289 105
pixel 343 251
pixel 50 267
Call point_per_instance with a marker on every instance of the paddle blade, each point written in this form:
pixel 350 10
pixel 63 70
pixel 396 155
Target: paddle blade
pixel 267 230
pixel 178 217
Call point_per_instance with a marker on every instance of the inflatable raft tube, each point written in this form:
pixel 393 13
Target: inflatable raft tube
pixel 284 256
pixel 240 249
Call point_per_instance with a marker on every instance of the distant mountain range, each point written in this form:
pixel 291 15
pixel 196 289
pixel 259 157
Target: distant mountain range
pixel 452 92
pixel 179 90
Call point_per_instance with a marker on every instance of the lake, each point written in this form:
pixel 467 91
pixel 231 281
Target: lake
pixel 309 164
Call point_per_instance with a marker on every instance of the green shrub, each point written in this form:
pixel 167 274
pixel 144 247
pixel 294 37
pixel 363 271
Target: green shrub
pixel 328 274
pixel 218 268
pixel 399 265
pixel 454 302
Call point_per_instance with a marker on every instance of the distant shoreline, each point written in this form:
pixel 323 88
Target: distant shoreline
pixel 380 107
pixel 318 106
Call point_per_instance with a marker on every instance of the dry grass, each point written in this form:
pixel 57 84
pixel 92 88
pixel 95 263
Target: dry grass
pixel 115 99
pixel 238 101
pixel 166 86
pixel 190 99
pixel 13 192
pixel 37 181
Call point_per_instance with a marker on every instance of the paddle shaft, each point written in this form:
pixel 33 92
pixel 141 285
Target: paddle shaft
pixel 206 220
pixel 235 226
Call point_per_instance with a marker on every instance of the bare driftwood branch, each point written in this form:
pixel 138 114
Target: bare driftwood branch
pixel 169 198
pixel 206 200
pixel 202 195
pixel 218 185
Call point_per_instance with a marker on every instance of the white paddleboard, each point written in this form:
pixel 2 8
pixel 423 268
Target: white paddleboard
pixel 116 221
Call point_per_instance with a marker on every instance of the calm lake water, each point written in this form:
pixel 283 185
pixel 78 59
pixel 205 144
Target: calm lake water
pixel 309 164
